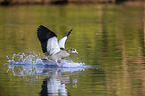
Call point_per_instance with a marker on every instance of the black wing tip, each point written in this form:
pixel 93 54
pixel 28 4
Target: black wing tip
pixel 41 27
pixel 44 30
pixel 43 33
pixel 68 33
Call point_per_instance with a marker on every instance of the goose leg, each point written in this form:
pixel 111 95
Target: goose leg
pixel 58 64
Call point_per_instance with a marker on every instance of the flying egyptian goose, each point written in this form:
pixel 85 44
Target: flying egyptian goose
pixel 51 46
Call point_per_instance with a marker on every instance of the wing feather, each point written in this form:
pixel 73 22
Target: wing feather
pixel 48 40
pixel 61 42
pixel 52 46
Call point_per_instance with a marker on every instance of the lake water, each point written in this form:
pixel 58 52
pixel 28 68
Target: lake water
pixel 109 39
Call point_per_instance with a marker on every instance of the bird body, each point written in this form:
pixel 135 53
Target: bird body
pixel 59 55
pixel 51 46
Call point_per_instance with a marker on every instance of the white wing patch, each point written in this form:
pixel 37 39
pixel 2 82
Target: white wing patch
pixel 61 42
pixel 52 46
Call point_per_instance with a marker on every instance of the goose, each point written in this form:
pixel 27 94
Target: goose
pixel 51 46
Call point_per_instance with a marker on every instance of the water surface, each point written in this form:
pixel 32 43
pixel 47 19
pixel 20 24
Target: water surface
pixel 109 38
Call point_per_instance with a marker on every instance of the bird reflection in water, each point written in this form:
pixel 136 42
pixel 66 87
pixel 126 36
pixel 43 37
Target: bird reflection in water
pixel 54 85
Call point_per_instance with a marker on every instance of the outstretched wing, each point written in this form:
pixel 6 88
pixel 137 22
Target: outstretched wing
pixel 48 40
pixel 61 42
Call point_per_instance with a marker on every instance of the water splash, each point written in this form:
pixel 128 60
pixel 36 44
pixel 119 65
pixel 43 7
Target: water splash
pixel 34 58
pixel 72 64
pixel 30 64
pixel 25 58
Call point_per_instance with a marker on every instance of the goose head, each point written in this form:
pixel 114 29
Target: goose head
pixel 73 50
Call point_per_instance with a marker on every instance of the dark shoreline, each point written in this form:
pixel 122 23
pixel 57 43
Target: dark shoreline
pixel 66 2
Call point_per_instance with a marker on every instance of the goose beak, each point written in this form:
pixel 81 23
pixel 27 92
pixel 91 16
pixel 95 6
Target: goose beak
pixel 76 52
pixel 73 51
